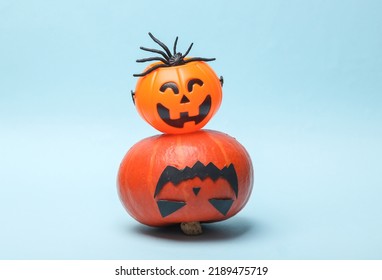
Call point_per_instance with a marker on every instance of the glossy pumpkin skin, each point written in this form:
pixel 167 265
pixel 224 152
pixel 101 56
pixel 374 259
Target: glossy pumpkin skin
pixel 204 158
pixel 178 99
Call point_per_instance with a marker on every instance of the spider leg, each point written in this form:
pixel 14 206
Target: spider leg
pixel 175 43
pixel 198 59
pixel 160 44
pixel 155 51
pixel 188 50
pixel 151 69
pixel 152 59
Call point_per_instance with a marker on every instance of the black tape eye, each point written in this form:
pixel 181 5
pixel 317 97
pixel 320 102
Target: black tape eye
pixel 222 205
pixel 192 82
pixel 167 207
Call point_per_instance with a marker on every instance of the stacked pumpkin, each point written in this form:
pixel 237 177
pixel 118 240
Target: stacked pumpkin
pixel 186 175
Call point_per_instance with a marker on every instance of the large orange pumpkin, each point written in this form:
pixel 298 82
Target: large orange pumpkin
pixel 204 176
pixel 178 94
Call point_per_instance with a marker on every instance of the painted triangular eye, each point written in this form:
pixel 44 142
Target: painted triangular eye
pixel 222 205
pixel 167 207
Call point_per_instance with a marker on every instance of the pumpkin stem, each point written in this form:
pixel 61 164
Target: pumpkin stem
pixel 168 59
pixel 191 228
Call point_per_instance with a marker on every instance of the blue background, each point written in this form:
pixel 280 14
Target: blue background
pixel 302 92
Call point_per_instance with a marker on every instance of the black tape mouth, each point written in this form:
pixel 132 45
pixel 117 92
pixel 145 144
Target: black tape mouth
pixel 204 110
pixel 199 170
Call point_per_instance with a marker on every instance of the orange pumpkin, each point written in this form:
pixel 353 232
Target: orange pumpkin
pixel 177 94
pixel 204 176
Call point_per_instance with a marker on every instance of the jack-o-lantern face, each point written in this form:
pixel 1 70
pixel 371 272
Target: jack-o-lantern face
pixel 178 94
pixel 204 176
pixel 177 188
pixel 203 109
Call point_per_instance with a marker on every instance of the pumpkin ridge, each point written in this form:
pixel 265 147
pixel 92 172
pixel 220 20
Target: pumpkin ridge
pixel 207 71
pixel 179 143
pixel 210 74
pixel 220 146
pixel 153 162
pixel 180 76
pixel 202 69
pixel 152 83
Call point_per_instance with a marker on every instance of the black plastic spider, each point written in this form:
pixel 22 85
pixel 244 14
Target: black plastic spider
pixel 167 58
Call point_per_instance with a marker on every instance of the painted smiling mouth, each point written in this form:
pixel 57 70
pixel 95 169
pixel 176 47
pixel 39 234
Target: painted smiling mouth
pixel 204 109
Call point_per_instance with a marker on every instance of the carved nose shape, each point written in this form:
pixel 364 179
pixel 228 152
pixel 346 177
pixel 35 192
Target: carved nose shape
pixel 184 99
